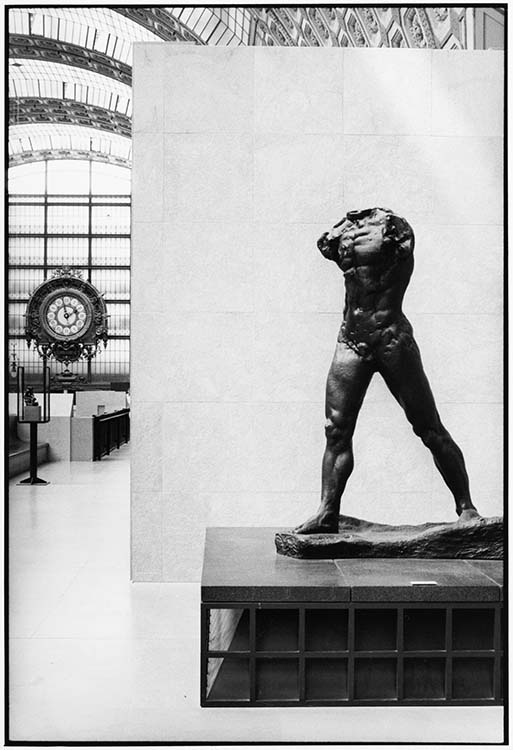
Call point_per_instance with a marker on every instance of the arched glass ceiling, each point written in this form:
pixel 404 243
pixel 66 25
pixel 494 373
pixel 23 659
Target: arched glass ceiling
pixel 225 26
pixel 112 32
pixel 39 78
pixel 54 136
pixel 100 29
pixel 23 23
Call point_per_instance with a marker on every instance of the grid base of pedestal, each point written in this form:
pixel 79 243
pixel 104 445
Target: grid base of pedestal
pixel 351 653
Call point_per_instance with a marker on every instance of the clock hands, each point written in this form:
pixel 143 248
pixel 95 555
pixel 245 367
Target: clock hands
pixel 68 314
pixel 68 319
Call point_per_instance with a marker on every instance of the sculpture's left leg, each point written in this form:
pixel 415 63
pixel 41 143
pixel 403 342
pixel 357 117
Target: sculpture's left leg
pixel 400 365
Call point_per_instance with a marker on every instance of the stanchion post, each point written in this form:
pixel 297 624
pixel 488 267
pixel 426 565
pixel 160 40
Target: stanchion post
pixel 37 415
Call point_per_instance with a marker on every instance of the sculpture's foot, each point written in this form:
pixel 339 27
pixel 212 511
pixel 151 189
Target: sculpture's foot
pixel 321 523
pixel 469 514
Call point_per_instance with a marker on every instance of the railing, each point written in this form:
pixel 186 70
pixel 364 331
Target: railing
pixel 110 431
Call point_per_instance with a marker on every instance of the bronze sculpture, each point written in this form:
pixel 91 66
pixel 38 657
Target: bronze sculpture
pixel 29 397
pixel 374 249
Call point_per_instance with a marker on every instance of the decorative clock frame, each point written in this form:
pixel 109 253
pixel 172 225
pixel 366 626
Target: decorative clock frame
pixel 66 318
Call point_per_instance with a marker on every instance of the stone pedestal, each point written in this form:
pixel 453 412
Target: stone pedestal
pixel 279 631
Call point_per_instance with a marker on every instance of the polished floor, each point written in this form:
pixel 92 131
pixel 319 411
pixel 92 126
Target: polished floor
pixel 94 657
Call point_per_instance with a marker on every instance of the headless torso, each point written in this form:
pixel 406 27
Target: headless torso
pixel 374 249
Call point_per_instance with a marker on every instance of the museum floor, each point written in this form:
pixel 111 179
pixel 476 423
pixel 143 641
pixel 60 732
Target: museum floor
pixel 94 657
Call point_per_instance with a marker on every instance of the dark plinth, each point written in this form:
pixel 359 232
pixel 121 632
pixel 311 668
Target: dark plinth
pixel 283 631
pixel 414 580
pixel 241 564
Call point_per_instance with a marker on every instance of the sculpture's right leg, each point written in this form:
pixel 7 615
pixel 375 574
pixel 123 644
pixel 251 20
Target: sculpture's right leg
pixel 401 367
pixel 348 380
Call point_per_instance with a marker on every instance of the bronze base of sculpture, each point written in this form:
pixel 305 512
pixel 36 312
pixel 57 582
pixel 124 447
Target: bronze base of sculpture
pixel 478 538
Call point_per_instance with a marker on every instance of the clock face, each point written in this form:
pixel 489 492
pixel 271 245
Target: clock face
pixel 67 315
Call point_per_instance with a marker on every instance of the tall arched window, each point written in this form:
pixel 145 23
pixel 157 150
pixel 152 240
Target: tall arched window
pixel 70 212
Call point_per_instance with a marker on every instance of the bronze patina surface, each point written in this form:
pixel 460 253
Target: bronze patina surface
pixel 480 538
pixel 374 250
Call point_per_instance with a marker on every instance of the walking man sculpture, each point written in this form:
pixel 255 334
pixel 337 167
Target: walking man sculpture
pixel 374 250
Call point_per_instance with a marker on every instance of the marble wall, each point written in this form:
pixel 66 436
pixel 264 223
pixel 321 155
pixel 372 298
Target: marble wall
pixel 242 157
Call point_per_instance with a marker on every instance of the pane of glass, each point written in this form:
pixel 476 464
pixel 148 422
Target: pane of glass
pixel 27 178
pixel 17 318
pixel 101 41
pixel 107 251
pixel 29 219
pixel 26 250
pixel 68 176
pixel 111 219
pixel 108 179
pixel 113 361
pixel 18 22
pixel 23 281
pixel 67 251
pixel 114 283
pixel 68 219
pixel 119 319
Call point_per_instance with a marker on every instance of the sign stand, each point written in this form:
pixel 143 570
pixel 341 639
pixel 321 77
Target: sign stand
pixel 30 412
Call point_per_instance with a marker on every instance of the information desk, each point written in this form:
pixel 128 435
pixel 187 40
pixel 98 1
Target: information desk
pixel 276 631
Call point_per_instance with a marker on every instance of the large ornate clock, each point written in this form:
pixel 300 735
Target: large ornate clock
pixel 66 317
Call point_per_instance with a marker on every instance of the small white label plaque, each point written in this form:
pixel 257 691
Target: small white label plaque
pixel 424 583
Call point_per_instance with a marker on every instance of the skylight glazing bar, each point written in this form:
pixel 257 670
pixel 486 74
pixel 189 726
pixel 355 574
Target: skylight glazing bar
pixel 209 29
pixel 185 15
pixel 202 22
pixel 217 33
pixel 98 17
